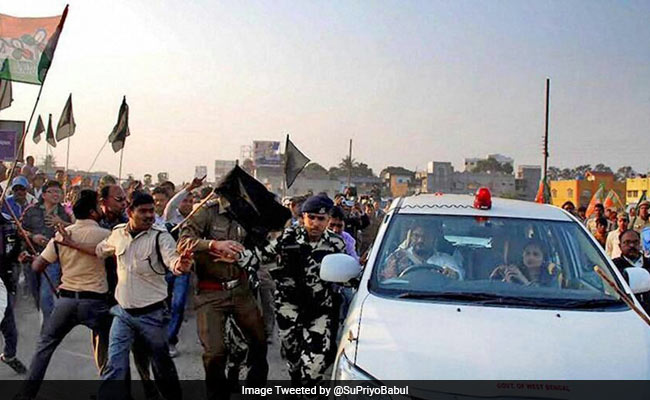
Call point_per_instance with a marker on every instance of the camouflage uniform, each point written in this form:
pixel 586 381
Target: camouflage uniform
pixel 214 304
pixel 306 309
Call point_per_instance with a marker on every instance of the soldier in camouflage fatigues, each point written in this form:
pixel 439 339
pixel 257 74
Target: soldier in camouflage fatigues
pixel 227 277
pixel 306 308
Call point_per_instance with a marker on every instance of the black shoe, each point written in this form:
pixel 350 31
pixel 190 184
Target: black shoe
pixel 14 363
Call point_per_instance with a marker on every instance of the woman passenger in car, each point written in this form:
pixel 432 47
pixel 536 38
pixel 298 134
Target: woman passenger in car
pixel 534 270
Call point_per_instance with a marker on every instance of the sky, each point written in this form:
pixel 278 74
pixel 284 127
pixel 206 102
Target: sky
pixel 408 81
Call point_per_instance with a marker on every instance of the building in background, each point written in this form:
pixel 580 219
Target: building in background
pixel 222 167
pixel 634 189
pixel 527 181
pixel 472 163
pixel 580 191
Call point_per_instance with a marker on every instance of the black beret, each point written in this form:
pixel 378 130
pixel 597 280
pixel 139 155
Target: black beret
pixel 318 204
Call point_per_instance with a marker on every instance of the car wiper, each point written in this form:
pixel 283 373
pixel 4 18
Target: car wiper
pixel 589 304
pixel 449 296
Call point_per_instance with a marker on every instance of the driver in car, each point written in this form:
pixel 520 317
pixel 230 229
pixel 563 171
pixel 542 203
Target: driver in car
pixel 420 251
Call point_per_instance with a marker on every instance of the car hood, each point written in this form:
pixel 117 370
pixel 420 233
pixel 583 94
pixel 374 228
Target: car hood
pixel 412 339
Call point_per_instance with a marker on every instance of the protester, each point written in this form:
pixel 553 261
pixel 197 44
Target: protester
pixel 160 198
pixel 599 212
pixel 40 221
pixel 145 252
pixel 37 185
pixel 9 250
pixel 612 246
pixel 19 199
pixel 83 291
pixel 569 207
pixel 337 225
pixel 582 214
pixel 601 231
pixel 176 210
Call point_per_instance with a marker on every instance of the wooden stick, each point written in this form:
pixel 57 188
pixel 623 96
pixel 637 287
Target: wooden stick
pixel 196 209
pixel 623 295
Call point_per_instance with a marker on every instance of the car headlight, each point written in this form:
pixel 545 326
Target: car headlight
pixel 347 371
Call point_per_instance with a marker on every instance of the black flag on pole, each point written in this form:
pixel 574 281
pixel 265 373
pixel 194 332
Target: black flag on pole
pixel 294 162
pixel 49 136
pixel 66 126
pixel 40 128
pixel 121 129
pixel 251 205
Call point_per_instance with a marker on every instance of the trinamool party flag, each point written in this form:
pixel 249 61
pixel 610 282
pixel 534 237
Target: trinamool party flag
pixel 27 46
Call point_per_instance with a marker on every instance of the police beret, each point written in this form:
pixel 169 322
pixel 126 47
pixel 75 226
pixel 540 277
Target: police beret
pixel 644 203
pixel 318 204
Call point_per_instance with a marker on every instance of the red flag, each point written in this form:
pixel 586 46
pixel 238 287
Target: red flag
pixel 76 181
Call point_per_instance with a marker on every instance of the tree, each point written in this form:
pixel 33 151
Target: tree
pixel 625 172
pixel 602 168
pixel 358 169
pixel 49 163
pixel 314 170
pixel 492 165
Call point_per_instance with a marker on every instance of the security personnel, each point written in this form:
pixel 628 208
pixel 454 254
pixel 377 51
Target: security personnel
pixel 642 220
pixel 306 306
pixel 226 279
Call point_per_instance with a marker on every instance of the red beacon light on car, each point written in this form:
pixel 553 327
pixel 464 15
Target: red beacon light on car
pixel 483 199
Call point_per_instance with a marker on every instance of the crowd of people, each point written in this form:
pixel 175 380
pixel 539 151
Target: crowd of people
pixel 122 259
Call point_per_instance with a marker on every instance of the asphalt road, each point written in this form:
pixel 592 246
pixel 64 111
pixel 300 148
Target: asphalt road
pixel 73 358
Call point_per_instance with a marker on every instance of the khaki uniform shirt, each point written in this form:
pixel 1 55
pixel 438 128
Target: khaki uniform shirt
pixel 80 272
pixel 212 223
pixel 638 224
pixel 140 273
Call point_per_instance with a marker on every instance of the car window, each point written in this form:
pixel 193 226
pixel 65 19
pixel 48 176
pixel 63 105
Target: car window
pixel 506 259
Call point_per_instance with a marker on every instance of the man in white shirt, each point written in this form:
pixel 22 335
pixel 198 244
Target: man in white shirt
pixel 143 253
pixel 612 246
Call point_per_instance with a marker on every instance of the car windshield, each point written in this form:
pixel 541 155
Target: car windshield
pixel 507 261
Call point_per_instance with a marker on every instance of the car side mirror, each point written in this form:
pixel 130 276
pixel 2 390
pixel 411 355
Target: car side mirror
pixel 638 279
pixel 341 268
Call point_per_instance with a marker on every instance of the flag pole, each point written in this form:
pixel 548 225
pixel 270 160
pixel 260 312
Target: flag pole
pixel 119 176
pixel 97 156
pixel 67 162
pixel 350 166
pixel 22 142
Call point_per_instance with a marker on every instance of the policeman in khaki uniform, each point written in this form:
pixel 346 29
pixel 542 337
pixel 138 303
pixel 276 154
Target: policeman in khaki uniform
pixel 642 220
pixel 226 274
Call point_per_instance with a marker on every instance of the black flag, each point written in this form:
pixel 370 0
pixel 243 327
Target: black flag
pixel 294 162
pixel 121 129
pixel 251 204
pixel 40 128
pixel 66 126
pixel 49 136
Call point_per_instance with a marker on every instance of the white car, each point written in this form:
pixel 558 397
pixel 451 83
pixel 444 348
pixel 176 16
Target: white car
pixel 468 287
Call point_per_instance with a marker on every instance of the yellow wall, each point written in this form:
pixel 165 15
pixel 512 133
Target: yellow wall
pixel 635 187
pixel 581 191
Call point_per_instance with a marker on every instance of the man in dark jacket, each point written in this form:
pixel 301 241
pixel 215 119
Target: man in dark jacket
pixel 631 257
